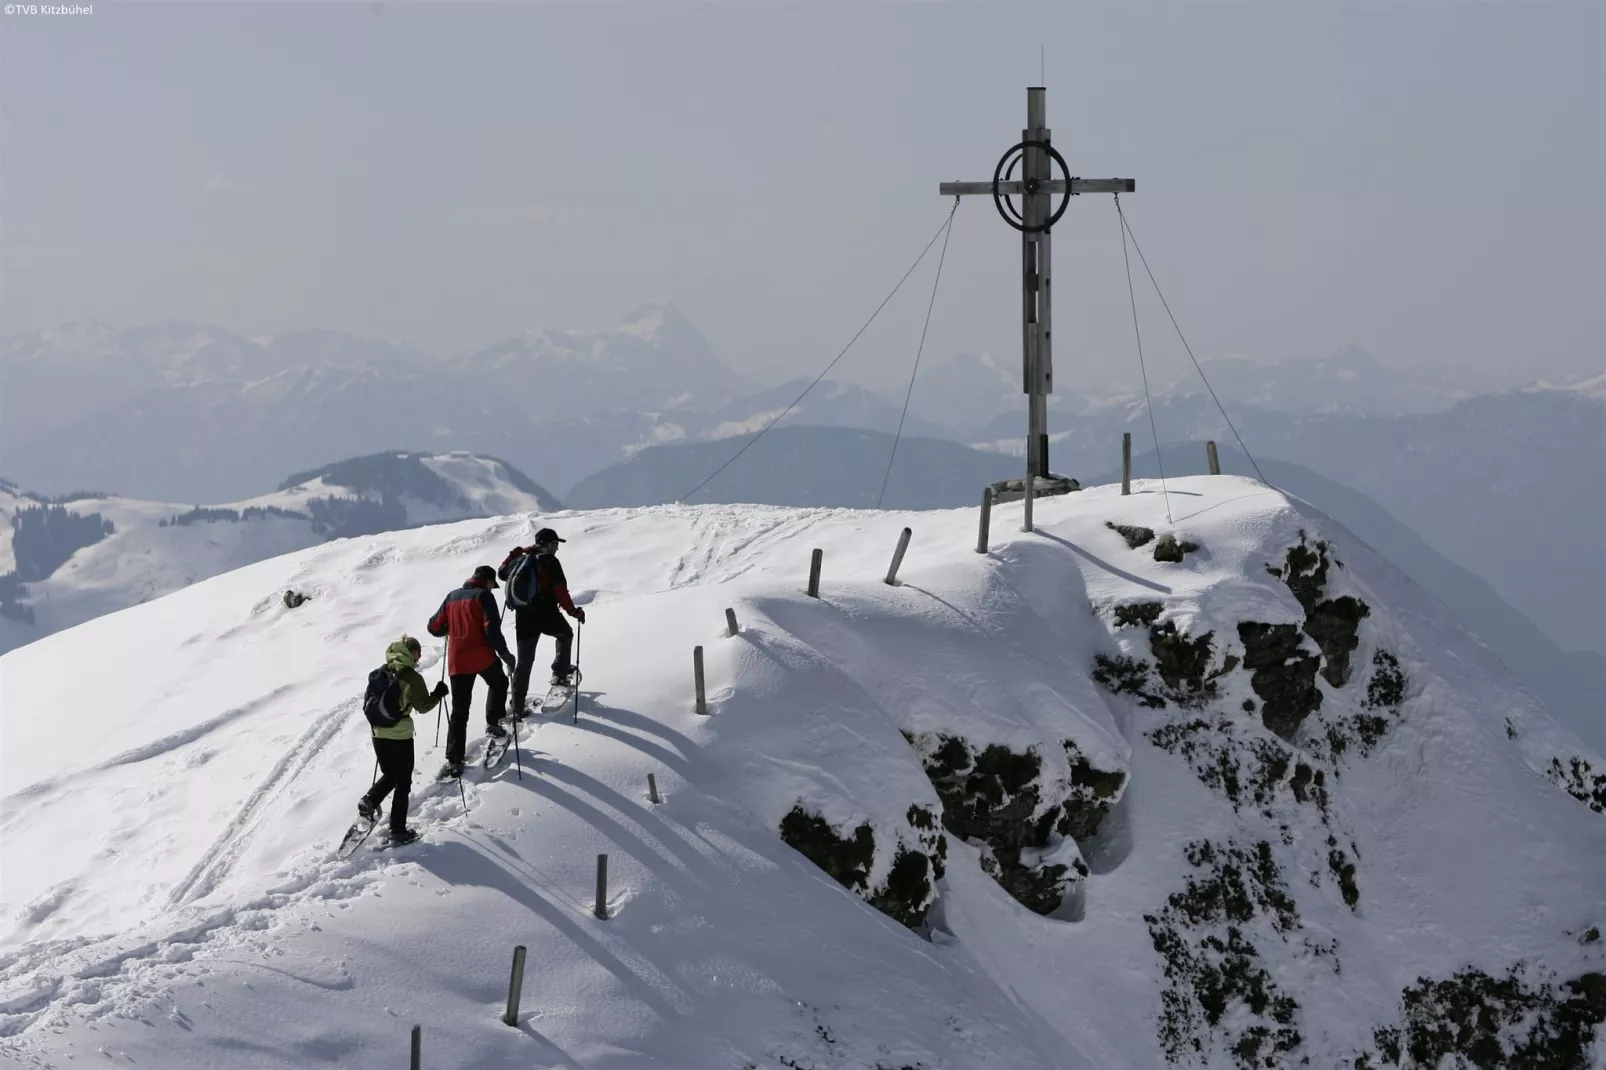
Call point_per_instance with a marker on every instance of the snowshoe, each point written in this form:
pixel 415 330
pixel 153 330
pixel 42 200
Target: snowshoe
pixel 495 730
pixel 397 839
pixel 557 697
pixel 368 811
pixel 355 836
pixel 495 748
pixel 450 771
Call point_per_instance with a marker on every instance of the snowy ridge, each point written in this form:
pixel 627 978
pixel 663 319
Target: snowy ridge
pixel 148 555
pixel 1073 704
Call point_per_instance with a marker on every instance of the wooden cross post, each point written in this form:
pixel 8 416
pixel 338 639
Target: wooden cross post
pixel 1037 187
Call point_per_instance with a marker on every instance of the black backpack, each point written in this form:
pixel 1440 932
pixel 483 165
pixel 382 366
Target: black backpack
pixel 521 582
pixel 382 702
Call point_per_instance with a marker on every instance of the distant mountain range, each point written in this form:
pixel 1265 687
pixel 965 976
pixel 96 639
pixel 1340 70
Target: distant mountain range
pixel 198 414
pixel 68 560
pixel 803 466
pixel 195 412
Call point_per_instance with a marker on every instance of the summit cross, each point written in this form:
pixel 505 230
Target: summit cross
pixel 1037 189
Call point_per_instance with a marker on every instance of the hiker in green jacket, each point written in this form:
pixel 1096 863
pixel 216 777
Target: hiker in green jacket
pixel 393 745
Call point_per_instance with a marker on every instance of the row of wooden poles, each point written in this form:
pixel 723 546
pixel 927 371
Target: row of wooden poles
pixel 1126 461
pixel 515 984
pixel 1030 494
pixel 816 562
pixel 817 559
pixel 515 981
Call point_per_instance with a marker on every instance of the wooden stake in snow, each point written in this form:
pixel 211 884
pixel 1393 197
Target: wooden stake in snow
pixel 418 1048
pixel 601 909
pixel 1126 462
pixel 897 557
pixel 986 519
pixel 515 987
pixel 730 621
pixel 652 790
pixel 814 572
pixel 1210 455
pixel 697 672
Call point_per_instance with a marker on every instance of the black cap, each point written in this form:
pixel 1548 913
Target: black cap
pixel 547 535
pixel 487 574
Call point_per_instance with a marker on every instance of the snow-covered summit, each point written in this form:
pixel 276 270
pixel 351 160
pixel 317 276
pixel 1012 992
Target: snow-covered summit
pixel 1191 778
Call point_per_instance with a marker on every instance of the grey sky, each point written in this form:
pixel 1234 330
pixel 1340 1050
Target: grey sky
pixel 1426 180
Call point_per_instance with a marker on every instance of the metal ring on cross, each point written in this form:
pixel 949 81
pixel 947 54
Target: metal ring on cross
pixel 1001 200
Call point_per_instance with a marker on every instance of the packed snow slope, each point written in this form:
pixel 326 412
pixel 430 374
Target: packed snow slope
pixel 113 552
pixel 1213 786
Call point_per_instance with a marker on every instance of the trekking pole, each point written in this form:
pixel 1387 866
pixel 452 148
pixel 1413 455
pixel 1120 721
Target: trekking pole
pixel 578 628
pixel 438 705
pixel 462 795
pixel 518 759
pixel 371 789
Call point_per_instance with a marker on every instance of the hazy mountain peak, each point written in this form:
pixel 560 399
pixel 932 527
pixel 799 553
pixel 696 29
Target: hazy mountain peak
pixel 1593 387
pixel 81 333
pixel 655 319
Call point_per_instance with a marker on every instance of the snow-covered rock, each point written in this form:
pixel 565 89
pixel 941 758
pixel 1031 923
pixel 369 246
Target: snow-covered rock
pixel 1302 818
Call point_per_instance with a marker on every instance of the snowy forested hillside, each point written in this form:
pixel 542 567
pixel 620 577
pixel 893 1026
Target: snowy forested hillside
pixel 1225 790
pixel 72 559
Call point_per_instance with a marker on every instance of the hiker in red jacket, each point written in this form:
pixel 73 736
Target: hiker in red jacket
pixel 473 627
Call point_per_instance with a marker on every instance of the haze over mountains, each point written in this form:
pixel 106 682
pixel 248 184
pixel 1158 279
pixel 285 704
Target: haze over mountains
pixel 198 414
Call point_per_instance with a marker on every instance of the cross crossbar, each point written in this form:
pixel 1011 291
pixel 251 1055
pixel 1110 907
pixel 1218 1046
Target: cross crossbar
pixel 1053 187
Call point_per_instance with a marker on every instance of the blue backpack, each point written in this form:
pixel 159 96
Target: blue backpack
pixel 382 702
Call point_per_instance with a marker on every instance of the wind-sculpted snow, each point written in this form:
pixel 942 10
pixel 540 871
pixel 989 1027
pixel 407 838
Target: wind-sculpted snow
pixel 1063 805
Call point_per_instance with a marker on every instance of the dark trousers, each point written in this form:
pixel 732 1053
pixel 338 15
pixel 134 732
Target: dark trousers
pixel 395 775
pixel 529 627
pixel 462 692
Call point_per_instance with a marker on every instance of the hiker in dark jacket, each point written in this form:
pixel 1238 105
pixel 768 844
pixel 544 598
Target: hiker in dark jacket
pixel 548 592
pixel 473 626
pixel 393 745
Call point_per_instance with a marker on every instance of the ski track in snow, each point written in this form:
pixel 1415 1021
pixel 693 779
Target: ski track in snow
pixel 155 749
pixel 215 862
pixel 719 550
pixel 109 974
